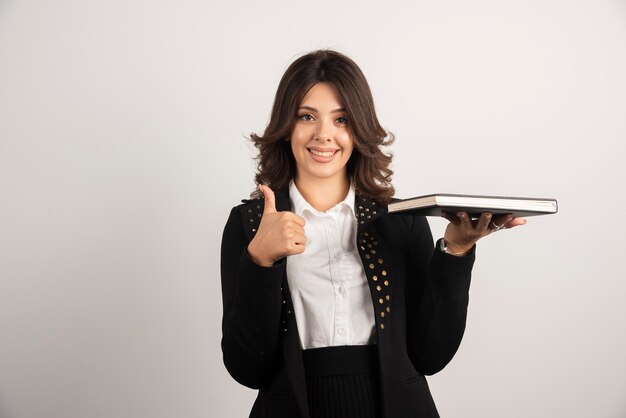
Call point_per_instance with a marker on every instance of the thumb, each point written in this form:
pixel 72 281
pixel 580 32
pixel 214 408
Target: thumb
pixel 270 200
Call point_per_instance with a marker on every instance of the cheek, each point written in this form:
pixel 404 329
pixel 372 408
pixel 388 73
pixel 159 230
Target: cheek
pixel 348 144
pixel 295 142
pixel 298 137
pixel 298 145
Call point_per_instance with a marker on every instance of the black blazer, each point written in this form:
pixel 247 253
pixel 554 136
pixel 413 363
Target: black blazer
pixel 420 298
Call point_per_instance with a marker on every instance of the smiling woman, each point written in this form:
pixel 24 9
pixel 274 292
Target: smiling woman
pixel 322 144
pixel 333 80
pixel 334 308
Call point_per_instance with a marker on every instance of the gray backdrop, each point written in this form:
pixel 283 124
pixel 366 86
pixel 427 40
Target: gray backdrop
pixel 122 150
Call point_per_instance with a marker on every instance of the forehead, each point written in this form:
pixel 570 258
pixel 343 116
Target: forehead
pixel 322 95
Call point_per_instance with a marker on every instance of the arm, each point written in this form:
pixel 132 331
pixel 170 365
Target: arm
pixel 437 299
pixel 252 302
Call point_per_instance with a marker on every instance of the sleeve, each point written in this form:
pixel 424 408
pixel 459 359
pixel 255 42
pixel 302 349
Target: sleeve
pixel 251 296
pixel 441 283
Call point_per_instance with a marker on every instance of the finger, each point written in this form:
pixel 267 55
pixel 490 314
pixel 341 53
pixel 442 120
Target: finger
pixel 483 222
pixel 501 222
pixel 296 244
pixel 465 220
pixel 270 199
pixel 297 229
pixel 516 222
pixel 297 249
pixel 452 218
pixel 299 239
pixel 298 220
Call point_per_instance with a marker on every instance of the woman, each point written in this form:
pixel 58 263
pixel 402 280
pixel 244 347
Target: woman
pixel 332 307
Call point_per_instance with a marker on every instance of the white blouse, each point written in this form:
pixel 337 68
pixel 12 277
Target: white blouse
pixel 330 294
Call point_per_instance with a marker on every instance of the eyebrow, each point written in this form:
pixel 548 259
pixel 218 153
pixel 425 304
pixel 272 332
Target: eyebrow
pixel 341 109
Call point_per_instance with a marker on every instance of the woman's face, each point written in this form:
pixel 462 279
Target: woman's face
pixel 321 141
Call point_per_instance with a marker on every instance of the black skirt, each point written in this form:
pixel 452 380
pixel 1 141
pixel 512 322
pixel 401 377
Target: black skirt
pixel 343 381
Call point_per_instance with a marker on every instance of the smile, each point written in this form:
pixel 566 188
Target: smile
pixel 320 153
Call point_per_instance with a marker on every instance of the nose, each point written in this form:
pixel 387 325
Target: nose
pixel 324 132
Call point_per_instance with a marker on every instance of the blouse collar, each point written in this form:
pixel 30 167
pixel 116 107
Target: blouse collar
pixel 299 204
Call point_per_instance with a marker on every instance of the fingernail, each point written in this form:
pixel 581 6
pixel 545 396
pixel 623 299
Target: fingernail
pixel 460 214
pixel 489 216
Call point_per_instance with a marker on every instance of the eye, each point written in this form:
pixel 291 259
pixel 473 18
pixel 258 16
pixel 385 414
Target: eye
pixel 342 120
pixel 306 117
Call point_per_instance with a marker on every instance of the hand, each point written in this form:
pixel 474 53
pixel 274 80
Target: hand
pixel 462 232
pixel 279 234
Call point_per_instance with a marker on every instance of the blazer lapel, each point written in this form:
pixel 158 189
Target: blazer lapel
pixel 282 200
pixel 366 211
pixel 375 260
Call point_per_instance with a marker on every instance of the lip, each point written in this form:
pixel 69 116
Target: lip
pixel 320 158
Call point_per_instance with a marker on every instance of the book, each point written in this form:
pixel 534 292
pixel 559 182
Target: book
pixel 436 204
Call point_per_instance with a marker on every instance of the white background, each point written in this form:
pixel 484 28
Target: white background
pixel 122 150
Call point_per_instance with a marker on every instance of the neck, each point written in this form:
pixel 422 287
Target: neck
pixel 323 194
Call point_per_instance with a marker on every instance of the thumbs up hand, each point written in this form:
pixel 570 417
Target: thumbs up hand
pixel 279 234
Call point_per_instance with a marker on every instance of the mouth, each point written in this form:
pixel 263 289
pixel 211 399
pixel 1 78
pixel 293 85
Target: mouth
pixel 324 153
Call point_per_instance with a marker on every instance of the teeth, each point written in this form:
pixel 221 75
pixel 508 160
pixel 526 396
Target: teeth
pixel 322 153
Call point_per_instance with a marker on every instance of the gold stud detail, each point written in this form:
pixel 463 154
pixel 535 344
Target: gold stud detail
pixel 386 282
pixel 384 272
pixel 388 309
pixel 380 261
pixel 382 314
pixel 367 256
pixel 382 326
pixel 379 288
pixel 375 278
pixel 380 301
pixel 387 297
pixel 371 265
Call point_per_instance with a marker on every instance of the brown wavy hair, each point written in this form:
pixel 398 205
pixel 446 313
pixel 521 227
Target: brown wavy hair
pixel 368 166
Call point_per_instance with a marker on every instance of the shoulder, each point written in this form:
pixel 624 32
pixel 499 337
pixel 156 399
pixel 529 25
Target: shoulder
pixel 251 204
pixel 406 222
pixel 249 213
